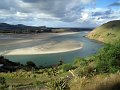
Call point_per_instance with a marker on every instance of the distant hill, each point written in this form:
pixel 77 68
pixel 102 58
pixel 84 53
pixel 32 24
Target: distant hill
pixel 20 28
pixel 107 32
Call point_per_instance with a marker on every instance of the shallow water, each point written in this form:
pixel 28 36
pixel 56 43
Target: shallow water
pixel 90 47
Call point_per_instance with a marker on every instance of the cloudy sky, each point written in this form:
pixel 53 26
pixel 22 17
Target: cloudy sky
pixel 59 13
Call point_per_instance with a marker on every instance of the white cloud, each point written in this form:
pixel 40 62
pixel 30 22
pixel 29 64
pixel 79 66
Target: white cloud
pixel 68 12
pixel 85 15
pixel 43 16
pixel 21 15
pixel 87 1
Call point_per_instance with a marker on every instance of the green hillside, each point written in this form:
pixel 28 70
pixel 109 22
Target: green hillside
pixel 107 32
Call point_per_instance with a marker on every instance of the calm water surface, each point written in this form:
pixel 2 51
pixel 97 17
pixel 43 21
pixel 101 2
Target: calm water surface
pixel 90 47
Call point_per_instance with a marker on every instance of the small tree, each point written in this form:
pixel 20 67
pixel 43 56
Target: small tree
pixel 60 62
pixel 30 64
pixel 2 57
pixel 67 67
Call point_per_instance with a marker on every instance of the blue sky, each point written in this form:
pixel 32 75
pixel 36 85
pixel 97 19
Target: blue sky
pixel 59 13
pixel 104 3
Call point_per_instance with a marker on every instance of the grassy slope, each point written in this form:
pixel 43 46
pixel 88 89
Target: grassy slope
pixel 107 32
pixel 98 82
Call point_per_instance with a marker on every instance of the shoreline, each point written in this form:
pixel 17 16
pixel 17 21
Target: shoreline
pixel 42 53
pixel 18 38
pixel 48 48
pixel 33 36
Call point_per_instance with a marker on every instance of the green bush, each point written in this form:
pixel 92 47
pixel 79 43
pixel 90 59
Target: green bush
pixel 108 59
pixel 87 71
pixel 67 67
pixel 80 62
pixel 30 64
pixel 2 83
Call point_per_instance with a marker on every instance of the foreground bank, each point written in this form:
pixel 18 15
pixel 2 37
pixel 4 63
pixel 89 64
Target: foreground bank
pixel 101 71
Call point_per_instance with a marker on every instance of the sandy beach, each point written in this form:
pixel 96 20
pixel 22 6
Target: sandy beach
pixel 48 47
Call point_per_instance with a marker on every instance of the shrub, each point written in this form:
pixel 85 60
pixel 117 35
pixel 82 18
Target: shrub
pixel 80 62
pixel 59 84
pixel 87 71
pixel 30 63
pixel 67 67
pixel 108 59
pixel 2 83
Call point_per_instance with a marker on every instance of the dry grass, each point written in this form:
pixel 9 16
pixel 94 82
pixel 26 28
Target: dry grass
pixel 98 82
pixel 23 77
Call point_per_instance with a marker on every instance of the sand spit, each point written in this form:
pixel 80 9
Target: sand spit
pixel 48 48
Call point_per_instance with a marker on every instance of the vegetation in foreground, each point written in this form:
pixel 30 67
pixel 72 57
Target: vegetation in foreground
pixel 98 72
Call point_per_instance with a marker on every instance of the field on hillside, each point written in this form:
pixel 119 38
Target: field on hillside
pixel 108 32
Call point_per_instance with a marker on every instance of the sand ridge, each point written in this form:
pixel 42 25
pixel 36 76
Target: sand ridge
pixel 48 48
pixel 45 48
